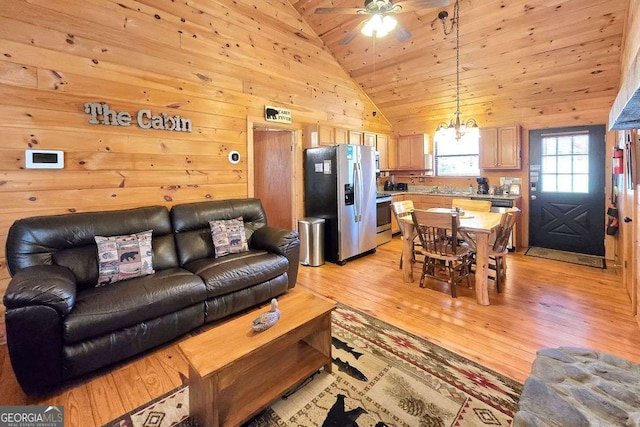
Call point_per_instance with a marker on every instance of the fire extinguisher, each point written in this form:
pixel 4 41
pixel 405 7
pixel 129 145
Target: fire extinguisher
pixel 616 162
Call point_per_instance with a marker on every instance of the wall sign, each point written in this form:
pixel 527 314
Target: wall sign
pixel 275 114
pixel 101 114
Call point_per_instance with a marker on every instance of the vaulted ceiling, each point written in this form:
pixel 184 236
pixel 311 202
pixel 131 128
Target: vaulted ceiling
pixel 552 61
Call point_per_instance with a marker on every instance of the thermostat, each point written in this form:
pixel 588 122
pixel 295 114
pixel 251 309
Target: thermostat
pixel 44 159
pixel 234 157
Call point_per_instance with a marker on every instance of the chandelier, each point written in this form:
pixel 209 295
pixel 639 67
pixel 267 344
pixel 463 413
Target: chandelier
pixel 456 126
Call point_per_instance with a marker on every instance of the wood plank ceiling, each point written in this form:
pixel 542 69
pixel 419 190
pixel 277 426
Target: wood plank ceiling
pixel 540 63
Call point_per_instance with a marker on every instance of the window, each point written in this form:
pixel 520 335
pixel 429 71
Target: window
pixel 565 163
pixel 457 158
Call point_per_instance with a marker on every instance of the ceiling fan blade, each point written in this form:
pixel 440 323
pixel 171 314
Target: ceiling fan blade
pixel 348 38
pixel 413 5
pixel 402 34
pixel 342 10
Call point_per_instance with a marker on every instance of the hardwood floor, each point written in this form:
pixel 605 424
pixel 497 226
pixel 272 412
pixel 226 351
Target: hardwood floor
pixel 543 304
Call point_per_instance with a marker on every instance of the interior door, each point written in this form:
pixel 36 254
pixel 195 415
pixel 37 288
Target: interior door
pixel 567 189
pixel 273 175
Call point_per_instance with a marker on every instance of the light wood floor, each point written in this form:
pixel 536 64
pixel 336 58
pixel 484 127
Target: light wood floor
pixel 544 304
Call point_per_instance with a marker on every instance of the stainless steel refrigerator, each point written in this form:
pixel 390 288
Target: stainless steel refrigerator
pixel 340 186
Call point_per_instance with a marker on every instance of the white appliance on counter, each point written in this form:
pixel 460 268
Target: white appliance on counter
pixel 340 186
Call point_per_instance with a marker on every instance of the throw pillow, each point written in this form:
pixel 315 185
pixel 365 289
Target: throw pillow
pixel 228 236
pixel 124 257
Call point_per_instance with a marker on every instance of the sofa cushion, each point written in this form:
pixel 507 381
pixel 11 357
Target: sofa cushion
pixel 191 224
pixel 124 257
pixel 98 311
pixel 238 271
pixel 228 236
pixel 68 240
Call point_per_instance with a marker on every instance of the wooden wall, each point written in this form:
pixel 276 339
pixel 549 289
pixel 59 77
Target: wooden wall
pixel 627 240
pixel 214 62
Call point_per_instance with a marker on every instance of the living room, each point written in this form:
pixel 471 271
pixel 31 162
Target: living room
pixel 217 65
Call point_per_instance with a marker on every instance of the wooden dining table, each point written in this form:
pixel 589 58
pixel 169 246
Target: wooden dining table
pixel 478 224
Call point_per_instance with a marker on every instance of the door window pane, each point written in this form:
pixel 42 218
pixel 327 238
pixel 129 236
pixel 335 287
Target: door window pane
pixel 548 182
pixel 581 164
pixel 565 145
pixel 549 164
pixel 565 164
pixel 548 147
pixel 565 183
pixel 581 144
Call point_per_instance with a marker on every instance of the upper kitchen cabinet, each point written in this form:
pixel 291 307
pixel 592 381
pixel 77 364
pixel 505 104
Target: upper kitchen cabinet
pixel 382 147
pixel 500 148
pixel 411 151
pixel 341 136
pixel 369 139
pixel 355 137
pixel 326 135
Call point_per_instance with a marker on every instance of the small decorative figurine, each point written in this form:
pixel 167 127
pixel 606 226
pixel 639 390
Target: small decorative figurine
pixel 268 319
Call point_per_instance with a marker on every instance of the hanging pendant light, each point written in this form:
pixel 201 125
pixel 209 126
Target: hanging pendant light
pixel 457 127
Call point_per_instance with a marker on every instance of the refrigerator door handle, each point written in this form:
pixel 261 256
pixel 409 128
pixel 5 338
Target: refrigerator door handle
pixel 357 181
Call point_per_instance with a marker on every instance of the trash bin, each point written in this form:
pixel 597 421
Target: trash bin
pixel 311 232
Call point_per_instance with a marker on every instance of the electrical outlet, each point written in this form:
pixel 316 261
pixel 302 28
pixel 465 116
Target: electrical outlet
pixel 420 179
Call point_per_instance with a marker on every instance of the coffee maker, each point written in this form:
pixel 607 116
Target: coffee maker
pixel 483 185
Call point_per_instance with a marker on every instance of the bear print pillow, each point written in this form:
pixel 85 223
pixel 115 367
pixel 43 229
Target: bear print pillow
pixel 228 236
pixel 124 257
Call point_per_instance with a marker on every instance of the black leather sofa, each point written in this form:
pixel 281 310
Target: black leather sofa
pixel 60 325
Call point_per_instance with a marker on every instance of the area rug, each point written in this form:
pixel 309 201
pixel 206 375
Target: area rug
pixel 382 376
pixel 574 258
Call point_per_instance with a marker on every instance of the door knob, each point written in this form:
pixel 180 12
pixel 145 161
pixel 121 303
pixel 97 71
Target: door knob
pixel 533 197
pixel 627 219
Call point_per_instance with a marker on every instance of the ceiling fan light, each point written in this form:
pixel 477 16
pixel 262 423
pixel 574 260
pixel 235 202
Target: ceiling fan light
pixel 389 23
pixel 372 25
pixel 379 25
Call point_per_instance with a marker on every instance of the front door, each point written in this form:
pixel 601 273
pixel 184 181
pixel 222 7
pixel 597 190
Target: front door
pixel 567 189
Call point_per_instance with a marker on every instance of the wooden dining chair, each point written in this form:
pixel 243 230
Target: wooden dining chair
pixel 441 252
pixel 471 205
pixel 403 209
pixel 498 248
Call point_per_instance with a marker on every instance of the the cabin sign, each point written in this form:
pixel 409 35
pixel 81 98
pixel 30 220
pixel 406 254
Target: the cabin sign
pixel 275 114
pixel 101 114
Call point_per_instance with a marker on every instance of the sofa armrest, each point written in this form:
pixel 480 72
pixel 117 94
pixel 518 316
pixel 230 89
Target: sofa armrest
pixel 283 242
pixel 42 285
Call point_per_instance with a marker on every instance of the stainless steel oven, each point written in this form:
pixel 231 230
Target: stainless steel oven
pixel 383 219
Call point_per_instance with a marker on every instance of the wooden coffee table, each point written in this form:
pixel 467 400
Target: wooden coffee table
pixel 235 372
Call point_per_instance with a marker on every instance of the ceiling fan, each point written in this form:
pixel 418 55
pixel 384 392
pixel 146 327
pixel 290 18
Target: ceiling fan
pixel 381 23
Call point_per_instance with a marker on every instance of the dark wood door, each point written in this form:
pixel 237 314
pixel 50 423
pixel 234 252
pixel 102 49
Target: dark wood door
pixel 567 189
pixel 274 174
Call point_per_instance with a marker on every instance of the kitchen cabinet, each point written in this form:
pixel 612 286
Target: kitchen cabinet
pixel 411 151
pixel 369 139
pixel 382 147
pixel 341 136
pixel 355 137
pixel 500 148
pixel 326 135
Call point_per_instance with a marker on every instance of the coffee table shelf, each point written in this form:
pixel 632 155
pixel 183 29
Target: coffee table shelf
pixel 234 372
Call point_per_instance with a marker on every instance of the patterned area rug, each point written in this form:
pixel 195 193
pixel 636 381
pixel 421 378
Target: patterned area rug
pixel 382 376
pixel 574 258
